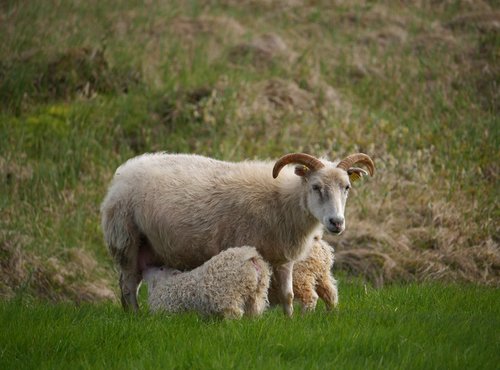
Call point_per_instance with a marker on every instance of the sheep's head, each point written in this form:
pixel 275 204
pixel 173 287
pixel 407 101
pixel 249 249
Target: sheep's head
pixel 327 185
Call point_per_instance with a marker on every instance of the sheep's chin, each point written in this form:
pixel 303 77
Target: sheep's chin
pixel 335 230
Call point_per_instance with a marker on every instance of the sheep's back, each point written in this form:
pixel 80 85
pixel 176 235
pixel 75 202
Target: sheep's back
pixel 191 207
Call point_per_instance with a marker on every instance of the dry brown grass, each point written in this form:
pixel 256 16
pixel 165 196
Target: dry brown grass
pixel 224 29
pixel 14 172
pixel 485 21
pixel 262 51
pixel 414 235
pixel 73 274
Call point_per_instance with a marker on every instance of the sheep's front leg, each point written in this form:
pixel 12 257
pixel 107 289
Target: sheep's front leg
pixel 284 277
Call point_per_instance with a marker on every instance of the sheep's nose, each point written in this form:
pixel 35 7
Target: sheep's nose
pixel 336 222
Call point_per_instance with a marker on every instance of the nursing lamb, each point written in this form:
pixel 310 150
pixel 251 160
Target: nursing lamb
pixel 233 283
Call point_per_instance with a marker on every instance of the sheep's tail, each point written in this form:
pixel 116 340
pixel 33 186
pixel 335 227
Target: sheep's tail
pixel 257 266
pixel 258 300
pixel 250 254
pixel 120 232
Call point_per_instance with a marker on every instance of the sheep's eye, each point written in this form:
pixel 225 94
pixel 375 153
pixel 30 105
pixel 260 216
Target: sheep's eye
pixel 316 187
pixel 347 188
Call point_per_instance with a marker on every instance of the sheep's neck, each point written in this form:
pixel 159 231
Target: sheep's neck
pixel 295 214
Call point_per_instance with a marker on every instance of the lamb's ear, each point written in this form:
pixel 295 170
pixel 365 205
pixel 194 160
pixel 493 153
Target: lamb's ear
pixel 301 170
pixel 355 173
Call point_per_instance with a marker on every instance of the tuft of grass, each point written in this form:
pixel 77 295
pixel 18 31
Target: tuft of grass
pixel 411 327
pixel 78 72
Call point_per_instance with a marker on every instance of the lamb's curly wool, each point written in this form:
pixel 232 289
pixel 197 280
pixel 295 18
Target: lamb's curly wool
pixel 230 284
pixel 312 278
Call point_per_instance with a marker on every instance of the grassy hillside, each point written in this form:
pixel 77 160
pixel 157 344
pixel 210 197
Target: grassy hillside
pixel 85 85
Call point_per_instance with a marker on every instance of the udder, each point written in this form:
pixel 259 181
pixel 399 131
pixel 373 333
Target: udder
pixel 147 258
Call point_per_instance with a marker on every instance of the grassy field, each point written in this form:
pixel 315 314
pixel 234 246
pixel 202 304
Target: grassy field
pixel 402 327
pixel 85 85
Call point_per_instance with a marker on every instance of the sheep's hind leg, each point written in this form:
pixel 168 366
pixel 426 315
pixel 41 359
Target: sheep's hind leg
pixel 139 257
pixel 129 285
pixel 284 276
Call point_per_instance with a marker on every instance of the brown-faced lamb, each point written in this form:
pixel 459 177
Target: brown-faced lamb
pixel 233 283
pixel 184 209
pixel 312 279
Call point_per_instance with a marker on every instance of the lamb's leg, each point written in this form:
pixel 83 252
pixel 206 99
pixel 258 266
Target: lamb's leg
pixel 307 296
pixel 232 308
pixel 327 291
pixel 256 303
pixel 284 277
pixel 233 312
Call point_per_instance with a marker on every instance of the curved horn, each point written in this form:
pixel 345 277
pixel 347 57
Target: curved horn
pixel 348 161
pixel 307 160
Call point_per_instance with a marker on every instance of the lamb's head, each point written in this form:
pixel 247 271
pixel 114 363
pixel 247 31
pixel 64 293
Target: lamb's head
pixel 327 184
pixel 153 275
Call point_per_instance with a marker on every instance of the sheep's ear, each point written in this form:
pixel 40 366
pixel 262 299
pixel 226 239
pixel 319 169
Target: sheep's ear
pixel 302 171
pixel 355 173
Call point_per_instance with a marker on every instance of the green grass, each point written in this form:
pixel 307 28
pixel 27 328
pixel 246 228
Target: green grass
pixel 400 327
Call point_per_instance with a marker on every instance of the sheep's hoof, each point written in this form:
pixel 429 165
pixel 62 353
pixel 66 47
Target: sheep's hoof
pixel 129 304
pixel 288 309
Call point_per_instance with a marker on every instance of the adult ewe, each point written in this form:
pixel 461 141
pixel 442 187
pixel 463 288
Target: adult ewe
pixel 312 279
pixel 230 284
pixel 179 210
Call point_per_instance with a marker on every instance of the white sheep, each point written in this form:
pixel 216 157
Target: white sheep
pixel 230 284
pixel 312 278
pixel 179 210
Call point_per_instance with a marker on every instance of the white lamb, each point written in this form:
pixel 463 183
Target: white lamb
pixel 230 284
pixel 312 278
